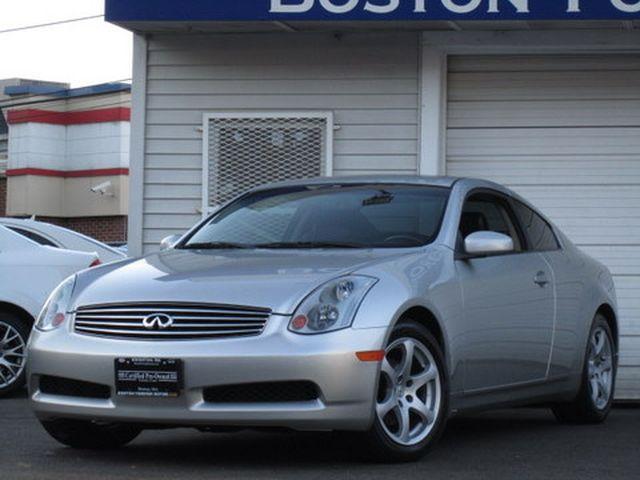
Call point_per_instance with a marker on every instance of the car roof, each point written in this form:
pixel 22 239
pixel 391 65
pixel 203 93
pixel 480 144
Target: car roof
pixel 430 181
pixel 446 182
pixel 25 221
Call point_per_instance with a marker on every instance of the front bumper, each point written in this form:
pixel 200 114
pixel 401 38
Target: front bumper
pixel 347 385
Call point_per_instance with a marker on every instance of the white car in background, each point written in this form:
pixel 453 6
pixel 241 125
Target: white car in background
pixel 50 235
pixel 29 272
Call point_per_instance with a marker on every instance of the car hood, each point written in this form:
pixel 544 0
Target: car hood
pixel 273 279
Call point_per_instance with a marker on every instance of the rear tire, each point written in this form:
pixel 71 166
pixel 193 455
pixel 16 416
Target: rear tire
pixel 414 394
pixel 14 335
pixel 594 401
pixel 87 435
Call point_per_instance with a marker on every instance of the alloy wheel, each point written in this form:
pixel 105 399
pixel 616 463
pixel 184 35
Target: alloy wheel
pixel 12 355
pixel 600 368
pixel 409 393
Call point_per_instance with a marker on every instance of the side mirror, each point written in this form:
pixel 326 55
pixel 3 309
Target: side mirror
pixel 480 244
pixel 169 242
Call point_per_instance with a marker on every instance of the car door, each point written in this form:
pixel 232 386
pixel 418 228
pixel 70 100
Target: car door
pixel 508 302
pixel 569 287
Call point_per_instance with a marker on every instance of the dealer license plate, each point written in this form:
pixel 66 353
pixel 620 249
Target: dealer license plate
pixel 148 377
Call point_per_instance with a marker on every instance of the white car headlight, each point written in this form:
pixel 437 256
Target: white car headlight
pixel 331 307
pixel 55 311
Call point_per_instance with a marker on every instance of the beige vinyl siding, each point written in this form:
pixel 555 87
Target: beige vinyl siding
pixel 563 131
pixel 369 81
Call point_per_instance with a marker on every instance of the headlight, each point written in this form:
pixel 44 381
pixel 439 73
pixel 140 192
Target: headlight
pixel 331 307
pixel 55 311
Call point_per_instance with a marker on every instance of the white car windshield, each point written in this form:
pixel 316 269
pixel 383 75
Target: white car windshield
pixel 327 216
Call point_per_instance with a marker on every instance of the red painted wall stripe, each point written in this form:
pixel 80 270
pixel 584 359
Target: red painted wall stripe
pixel 32 115
pixel 41 172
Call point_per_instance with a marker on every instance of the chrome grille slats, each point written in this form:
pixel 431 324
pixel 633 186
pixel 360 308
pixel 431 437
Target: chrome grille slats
pixel 123 311
pixel 189 321
pixel 94 323
pixel 147 334
pixel 177 317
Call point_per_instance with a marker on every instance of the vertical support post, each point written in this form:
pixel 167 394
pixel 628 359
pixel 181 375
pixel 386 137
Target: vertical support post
pixel 137 148
pixel 433 111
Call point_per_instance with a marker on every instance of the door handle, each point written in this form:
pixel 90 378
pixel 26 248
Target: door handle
pixel 541 279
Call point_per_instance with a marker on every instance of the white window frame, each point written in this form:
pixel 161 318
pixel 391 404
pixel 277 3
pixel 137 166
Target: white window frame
pixel 327 116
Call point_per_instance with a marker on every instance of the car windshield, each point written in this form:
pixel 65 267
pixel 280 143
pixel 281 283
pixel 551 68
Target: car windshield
pixel 327 216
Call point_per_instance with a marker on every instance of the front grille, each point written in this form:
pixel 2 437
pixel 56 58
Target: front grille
pixel 73 388
pixel 272 392
pixel 187 321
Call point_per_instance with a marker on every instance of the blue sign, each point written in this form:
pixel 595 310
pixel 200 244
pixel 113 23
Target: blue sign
pixel 118 11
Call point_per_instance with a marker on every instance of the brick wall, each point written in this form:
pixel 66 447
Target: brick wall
pixel 3 196
pixel 105 229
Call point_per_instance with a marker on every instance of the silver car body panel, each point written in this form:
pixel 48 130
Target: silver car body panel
pixel 347 384
pixel 506 338
pixel 276 279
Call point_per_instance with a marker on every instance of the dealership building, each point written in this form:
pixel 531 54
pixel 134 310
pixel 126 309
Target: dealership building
pixel 540 95
pixel 67 155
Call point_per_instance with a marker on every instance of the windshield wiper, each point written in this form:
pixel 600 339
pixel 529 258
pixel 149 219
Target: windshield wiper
pixel 216 246
pixel 303 245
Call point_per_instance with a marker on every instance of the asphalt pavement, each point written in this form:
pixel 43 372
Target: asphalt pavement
pixel 509 444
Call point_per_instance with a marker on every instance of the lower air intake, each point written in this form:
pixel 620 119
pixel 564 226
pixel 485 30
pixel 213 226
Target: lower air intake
pixel 272 392
pixel 73 388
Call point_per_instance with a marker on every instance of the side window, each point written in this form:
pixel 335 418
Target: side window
pixel 538 230
pixel 485 212
pixel 34 236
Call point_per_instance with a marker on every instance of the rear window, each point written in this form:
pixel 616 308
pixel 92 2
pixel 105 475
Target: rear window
pixel 33 236
pixel 540 233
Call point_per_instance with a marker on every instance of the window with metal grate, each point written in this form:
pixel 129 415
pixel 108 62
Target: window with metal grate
pixel 245 150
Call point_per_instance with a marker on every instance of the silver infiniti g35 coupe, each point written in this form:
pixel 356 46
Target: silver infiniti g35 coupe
pixel 374 305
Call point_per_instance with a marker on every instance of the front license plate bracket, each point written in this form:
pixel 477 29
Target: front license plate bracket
pixel 148 377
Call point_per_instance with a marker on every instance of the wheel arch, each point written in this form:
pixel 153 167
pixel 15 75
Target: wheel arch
pixel 428 319
pixel 609 314
pixel 6 307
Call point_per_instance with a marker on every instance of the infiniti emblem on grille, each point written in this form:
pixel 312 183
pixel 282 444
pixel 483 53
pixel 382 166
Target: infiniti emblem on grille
pixel 157 321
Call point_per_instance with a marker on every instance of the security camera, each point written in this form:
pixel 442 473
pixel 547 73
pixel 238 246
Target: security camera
pixel 104 189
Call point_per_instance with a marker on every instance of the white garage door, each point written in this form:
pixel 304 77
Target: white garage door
pixel 564 132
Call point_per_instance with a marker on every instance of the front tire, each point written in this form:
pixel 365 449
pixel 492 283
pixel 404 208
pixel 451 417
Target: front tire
pixel 87 435
pixel 14 335
pixel 412 397
pixel 594 401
